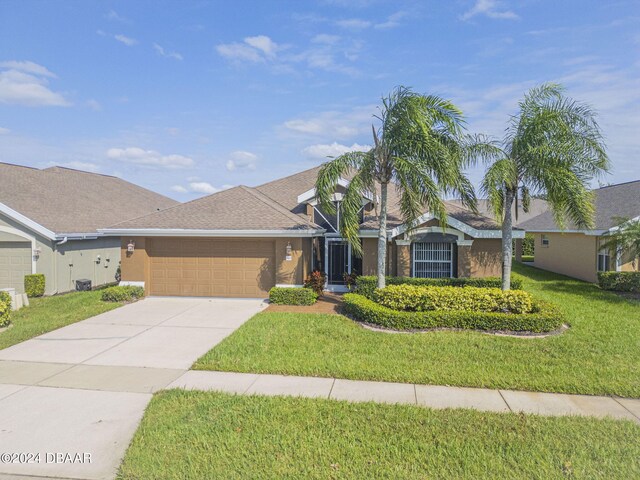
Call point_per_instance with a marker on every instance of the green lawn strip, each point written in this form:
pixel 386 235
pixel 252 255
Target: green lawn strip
pixel 197 435
pixel 49 313
pixel 527 258
pixel 598 355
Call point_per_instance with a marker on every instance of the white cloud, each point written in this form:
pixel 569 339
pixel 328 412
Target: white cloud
pixel 353 24
pixel 262 43
pixel 77 165
pixel 113 16
pixel 206 187
pixel 392 21
pixel 164 53
pixel 26 83
pixel 326 39
pixel 333 150
pixel 179 189
pixel 128 41
pixel 4 131
pixel 491 9
pixel 150 158
pixel 332 124
pixel 241 160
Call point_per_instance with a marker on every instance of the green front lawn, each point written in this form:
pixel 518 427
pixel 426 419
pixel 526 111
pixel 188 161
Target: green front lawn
pixel 599 354
pixel 198 435
pixel 49 313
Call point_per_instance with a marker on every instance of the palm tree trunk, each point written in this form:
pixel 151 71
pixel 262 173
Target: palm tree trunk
pixel 382 236
pixel 507 239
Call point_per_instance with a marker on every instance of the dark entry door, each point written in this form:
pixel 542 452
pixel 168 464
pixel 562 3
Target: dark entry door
pixel 338 261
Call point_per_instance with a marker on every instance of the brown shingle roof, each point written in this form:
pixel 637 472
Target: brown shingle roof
pixel 64 200
pixel 239 208
pixel 537 207
pixel 622 200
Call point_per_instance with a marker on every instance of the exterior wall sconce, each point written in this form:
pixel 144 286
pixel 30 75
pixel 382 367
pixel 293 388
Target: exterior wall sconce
pixel 36 253
pixel 288 252
pixel 131 246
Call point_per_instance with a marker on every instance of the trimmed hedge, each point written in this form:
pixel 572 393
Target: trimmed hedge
pixel 366 285
pixel 420 299
pixel 620 281
pixel 123 293
pixel 5 309
pixel 292 296
pixel 34 285
pixel 544 317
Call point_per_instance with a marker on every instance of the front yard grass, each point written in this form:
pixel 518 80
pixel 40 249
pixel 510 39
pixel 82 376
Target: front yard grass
pixel 197 435
pixel 599 354
pixel 49 313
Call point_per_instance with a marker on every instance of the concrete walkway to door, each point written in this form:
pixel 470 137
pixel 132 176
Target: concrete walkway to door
pixel 82 389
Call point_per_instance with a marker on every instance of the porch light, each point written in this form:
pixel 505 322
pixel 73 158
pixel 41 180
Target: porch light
pixel 37 252
pixel 131 246
pixel 288 251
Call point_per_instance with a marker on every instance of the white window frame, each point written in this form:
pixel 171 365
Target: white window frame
pixel 605 253
pixel 544 240
pixel 414 261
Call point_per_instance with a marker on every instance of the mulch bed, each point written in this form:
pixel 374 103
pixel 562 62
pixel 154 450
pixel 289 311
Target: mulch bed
pixel 328 303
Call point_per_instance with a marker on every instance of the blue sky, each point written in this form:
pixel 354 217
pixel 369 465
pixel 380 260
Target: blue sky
pixel 189 97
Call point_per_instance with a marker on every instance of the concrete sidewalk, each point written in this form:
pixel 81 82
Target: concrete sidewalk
pixel 432 396
pixel 82 389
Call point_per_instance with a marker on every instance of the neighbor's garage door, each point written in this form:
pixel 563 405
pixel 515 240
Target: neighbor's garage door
pixel 211 267
pixel 15 263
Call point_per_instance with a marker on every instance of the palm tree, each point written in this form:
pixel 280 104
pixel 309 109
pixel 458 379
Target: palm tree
pixel 625 239
pixel 419 149
pixel 552 146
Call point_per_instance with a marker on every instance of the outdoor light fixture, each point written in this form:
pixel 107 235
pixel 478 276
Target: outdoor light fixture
pixel 288 256
pixel 131 246
pixel 37 252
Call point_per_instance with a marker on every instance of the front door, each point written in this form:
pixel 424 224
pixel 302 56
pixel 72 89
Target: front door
pixel 339 261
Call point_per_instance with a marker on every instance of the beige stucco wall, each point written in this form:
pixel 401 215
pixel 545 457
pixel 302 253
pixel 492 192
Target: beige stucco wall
pixel 571 254
pixel 486 257
pixel 290 272
pixel 369 255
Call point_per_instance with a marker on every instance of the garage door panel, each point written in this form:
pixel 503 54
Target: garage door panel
pixel 15 263
pixel 211 267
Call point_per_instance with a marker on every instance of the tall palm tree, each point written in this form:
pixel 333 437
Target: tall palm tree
pixel 419 149
pixel 553 146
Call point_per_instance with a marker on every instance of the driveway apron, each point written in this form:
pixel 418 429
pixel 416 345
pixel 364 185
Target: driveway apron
pixel 71 399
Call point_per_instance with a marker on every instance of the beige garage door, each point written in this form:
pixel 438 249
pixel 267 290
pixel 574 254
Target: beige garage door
pixel 211 267
pixel 15 263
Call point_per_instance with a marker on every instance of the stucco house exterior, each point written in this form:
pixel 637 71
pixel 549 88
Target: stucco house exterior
pixel 49 220
pixel 579 253
pixel 242 241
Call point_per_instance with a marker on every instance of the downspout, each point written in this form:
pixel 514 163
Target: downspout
pixel 55 261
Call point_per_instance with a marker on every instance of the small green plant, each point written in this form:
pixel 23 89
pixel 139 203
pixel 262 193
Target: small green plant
pixel 292 296
pixel 316 281
pixel 421 299
pixel 5 309
pixel 350 280
pixel 34 285
pixel 124 293
pixel 619 281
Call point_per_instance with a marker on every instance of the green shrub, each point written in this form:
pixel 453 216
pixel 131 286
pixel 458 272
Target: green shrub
pixel 124 293
pixel 316 281
pixel 5 309
pixel 292 296
pixel 366 285
pixel 420 299
pixel 528 243
pixel 620 281
pixel 34 285
pixel 544 317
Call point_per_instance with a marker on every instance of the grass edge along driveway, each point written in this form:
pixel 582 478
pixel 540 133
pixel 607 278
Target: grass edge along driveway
pixel 598 355
pixel 187 434
pixel 46 314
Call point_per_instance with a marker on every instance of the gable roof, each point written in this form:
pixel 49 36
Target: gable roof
pixel 537 207
pixel 621 200
pixel 64 200
pixel 238 209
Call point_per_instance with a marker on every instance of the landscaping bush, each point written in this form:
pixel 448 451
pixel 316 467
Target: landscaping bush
pixel 620 281
pixel 292 296
pixel 124 293
pixel 5 309
pixel 34 285
pixel 316 281
pixel 528 243
pixel 544 317
pixel 420 299
pixel 366 285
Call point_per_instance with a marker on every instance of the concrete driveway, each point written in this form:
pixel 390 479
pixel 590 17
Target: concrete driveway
pixel 75 396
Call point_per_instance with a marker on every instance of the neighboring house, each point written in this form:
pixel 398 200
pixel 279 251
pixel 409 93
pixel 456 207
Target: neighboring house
pixel 49 220
pixel 578 253
pixel 536 207
pixel 242 241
